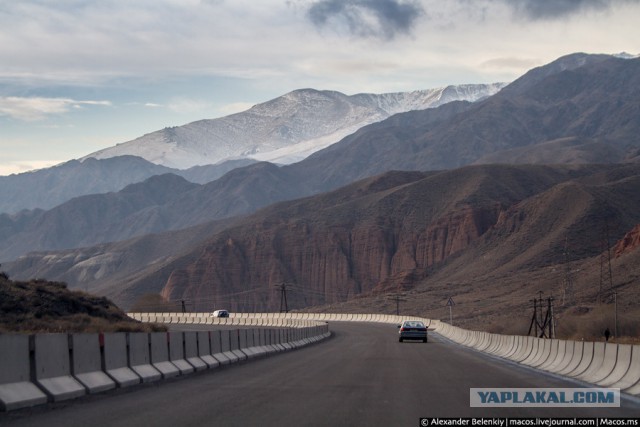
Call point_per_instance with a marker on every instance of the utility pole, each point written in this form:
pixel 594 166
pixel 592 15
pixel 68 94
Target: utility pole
pixel 283 298
pixel 615 314
pixel 541 322
pixel 537 321
pixel 397 300
pixel 605 257
pixel 568 295
pixel 552 326
pixel 534 320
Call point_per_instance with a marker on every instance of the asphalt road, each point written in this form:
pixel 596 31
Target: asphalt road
pixel 362 376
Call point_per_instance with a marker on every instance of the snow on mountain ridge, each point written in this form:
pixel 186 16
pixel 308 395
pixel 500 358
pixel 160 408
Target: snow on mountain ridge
pixel 285 129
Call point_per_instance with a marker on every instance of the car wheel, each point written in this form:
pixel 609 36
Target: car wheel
pixel 424 340
pixel 400 339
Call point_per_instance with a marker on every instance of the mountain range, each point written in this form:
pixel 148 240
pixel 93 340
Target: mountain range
pixel 282 130
pixel 340 224
pixel 286 129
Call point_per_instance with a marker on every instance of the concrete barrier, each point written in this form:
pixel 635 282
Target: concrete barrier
pixel 543 354
pixel 576 358
pixel 564 356
pixel 204 349
pixel 176 353
pixel 596 361
pixel 86 363
pixel 607 365
pixel 534 347
pixel 52 367
pixel 191 351
pixel 217 351
pixel 159 351
pixel 16 390
pixel 558 348
pixel 623 365
pixel 115 360
pixel 630 383
pixel 234 344
pixel 225 346
pixel 246 343
pixel 585 361
pixel 518 342
pixel 140 357
pixel 67 366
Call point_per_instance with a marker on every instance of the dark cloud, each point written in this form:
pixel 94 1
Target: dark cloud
pixel 555 9
pixel 367 18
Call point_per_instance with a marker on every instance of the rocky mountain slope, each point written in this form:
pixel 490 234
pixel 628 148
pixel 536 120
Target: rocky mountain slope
pixel 285 129
pixel 161 203
pixel 47 188
pixel 587 114
pixel 411 232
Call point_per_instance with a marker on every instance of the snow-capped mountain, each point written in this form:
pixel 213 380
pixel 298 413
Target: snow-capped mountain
pixel 286 129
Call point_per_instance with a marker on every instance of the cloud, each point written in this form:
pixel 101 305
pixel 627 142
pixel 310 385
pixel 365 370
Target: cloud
pixel 182 105
pixel 510 63
pixel 37 108
pixel 555 9
pixel 383 19
pixel 26 165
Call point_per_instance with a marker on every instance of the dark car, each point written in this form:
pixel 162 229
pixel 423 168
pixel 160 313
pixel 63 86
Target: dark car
pixel 412 330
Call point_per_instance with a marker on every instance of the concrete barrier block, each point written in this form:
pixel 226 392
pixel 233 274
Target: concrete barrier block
pixel 630 382
pixel 558 350
pixel 607 365
pixel 517 342
pixel 246 343
pixel 576 358
pixel 536 349
pixel 216 348
pixel 543 353
pixel 191 354
pixel 115 360
pixel 549 353
pixel 204 349
pixel 595 363
pixel 622 368
pixel 159 351
pixel 16 390
pixel 225 345
pixel 585 361
pixel 53 367
pixel 234 344
pixel 565 356
pixel 526 347
pixel 140 357
pixel 177 353
pixel 86 364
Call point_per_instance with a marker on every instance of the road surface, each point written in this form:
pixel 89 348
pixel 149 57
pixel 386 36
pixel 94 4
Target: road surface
pixel 362 376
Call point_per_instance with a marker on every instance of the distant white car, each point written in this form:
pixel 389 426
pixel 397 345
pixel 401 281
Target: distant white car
pixel 220 313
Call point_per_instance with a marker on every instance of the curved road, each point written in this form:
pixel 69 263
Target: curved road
pixel 362 376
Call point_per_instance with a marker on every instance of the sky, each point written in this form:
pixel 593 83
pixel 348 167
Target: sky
pixel 77 76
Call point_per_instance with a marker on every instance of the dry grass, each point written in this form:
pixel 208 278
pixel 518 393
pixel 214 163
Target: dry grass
pixel 39 306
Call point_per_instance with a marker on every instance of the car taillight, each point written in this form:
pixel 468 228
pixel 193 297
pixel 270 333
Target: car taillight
pixel 402 329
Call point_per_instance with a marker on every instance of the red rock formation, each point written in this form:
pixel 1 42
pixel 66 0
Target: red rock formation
pixel 327 263
pixel 628 243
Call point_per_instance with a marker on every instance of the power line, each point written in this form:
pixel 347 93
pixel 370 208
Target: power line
pixel 397 299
